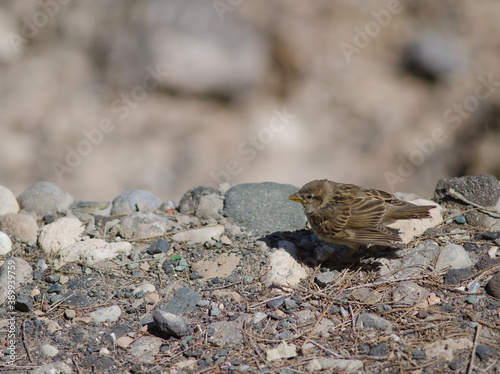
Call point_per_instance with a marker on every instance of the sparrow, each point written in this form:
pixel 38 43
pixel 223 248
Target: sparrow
pixel 352 215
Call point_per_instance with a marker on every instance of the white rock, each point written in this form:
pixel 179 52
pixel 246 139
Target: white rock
pixel 58 367
pixel 91 251
pixel 283 350
pixel 144 348
pixel 454 256
pixel 8 201
pixel 199 235
pixel 104 352
pixel 416 227
pixel 5 243
pixel 284 271
pixel 60 234
pixel 444 349
pixel 146 288
pixel 346 366
pixel 124 341
pixel 110 314
pixel 49 350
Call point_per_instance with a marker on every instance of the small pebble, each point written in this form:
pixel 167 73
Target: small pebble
pixel 70 313
pixel 460 219
pixel 472 299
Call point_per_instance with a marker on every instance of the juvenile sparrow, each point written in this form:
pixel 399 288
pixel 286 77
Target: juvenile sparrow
pixel 352 215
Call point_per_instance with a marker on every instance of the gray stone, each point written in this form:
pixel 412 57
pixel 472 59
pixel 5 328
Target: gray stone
pixel 144 348
pixel 209 206
pixel 159 246
pixel 184 300
pixel 228 333
pixel 264 208
pixel 483 189
pixel 44 198
pixel 5 243
pixel 454 256
pixel 380 349
pixel 134 200
pixel 409 261
pixel 109 314
pixel 408 294
pixel 326 278
pixel 23 273
pixel 367 320
pixel 21 227
pixel 8 201
pixel 485 352
pixel 171 324
pixel 493 285
pixel 144 225
pixel 191 199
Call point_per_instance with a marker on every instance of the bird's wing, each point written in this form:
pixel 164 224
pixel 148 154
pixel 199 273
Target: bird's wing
pixel 366 212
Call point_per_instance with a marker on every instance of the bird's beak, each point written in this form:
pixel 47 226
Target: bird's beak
pixel 296 198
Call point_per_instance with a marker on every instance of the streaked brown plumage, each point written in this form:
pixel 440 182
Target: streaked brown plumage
pixel 352 215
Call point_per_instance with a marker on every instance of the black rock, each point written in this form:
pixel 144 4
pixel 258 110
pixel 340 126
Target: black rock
pixel 274 303
pixel 481 189
pixel 170 324
pixel 471 247
pixel 23 303
pixel 379 350
pixel 485 352
pixel 167 267
pixel 190 200
pixel 52 278
pixel 486 262
pixel 493 286
pixel 184 300
pixel 159 246
pixel 488 235
pixel 455 276
pixel 264 208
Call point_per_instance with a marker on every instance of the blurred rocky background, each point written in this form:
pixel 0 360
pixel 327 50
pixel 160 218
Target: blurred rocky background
pixel 104 96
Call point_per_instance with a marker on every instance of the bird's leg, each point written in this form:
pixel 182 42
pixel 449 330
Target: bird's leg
pixel 352 251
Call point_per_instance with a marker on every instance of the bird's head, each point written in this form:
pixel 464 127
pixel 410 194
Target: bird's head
pixel 312 195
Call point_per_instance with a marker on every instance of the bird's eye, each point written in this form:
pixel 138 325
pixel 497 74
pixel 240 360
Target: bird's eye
pixel 309 197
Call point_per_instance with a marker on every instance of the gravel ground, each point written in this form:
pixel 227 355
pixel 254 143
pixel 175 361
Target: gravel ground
pixel 159 291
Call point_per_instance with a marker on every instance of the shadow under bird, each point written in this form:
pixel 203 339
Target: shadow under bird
pixel 352 215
